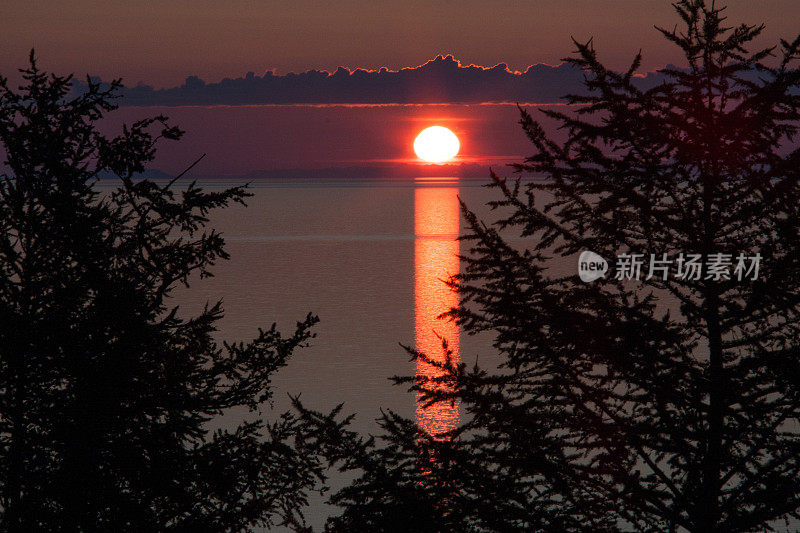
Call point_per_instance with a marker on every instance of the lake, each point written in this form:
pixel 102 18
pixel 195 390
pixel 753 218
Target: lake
pixel 369 257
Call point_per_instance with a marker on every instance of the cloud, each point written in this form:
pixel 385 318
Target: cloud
pixel 440 80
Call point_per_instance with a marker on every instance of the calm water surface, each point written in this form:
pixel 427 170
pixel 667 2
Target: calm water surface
pixel 369 258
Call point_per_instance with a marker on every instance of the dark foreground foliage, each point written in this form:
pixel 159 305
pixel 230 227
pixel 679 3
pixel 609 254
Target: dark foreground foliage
pixel 658 405
pixel 106 391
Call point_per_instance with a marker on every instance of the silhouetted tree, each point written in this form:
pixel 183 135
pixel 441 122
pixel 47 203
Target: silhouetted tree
pixel 106 391
pixel 651 405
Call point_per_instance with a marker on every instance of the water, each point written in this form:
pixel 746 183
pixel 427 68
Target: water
pixel 369 258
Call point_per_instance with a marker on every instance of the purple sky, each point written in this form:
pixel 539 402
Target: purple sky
pixel 161 43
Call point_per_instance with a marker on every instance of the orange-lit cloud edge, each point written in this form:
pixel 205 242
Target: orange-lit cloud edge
pixel 439 57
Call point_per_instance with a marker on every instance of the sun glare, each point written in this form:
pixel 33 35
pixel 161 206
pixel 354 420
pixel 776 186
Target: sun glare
pixel 436 144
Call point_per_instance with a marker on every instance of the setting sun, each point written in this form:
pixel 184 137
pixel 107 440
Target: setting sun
pixel 436 144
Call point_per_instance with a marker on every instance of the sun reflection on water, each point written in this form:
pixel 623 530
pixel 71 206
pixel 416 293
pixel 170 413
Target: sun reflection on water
pixel 436 226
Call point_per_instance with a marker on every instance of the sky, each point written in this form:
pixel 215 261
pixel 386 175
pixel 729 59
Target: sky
pixel 278 140
pixel 173 45
pixel 160 43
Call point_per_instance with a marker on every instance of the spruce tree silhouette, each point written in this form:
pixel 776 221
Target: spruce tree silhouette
pixel 105 390
pixel 651 405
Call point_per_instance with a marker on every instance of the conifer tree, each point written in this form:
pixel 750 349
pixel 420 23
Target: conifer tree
pixel 658 404
pixel 106 388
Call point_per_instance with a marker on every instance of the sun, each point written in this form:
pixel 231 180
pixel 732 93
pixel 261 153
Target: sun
pixel 436 144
